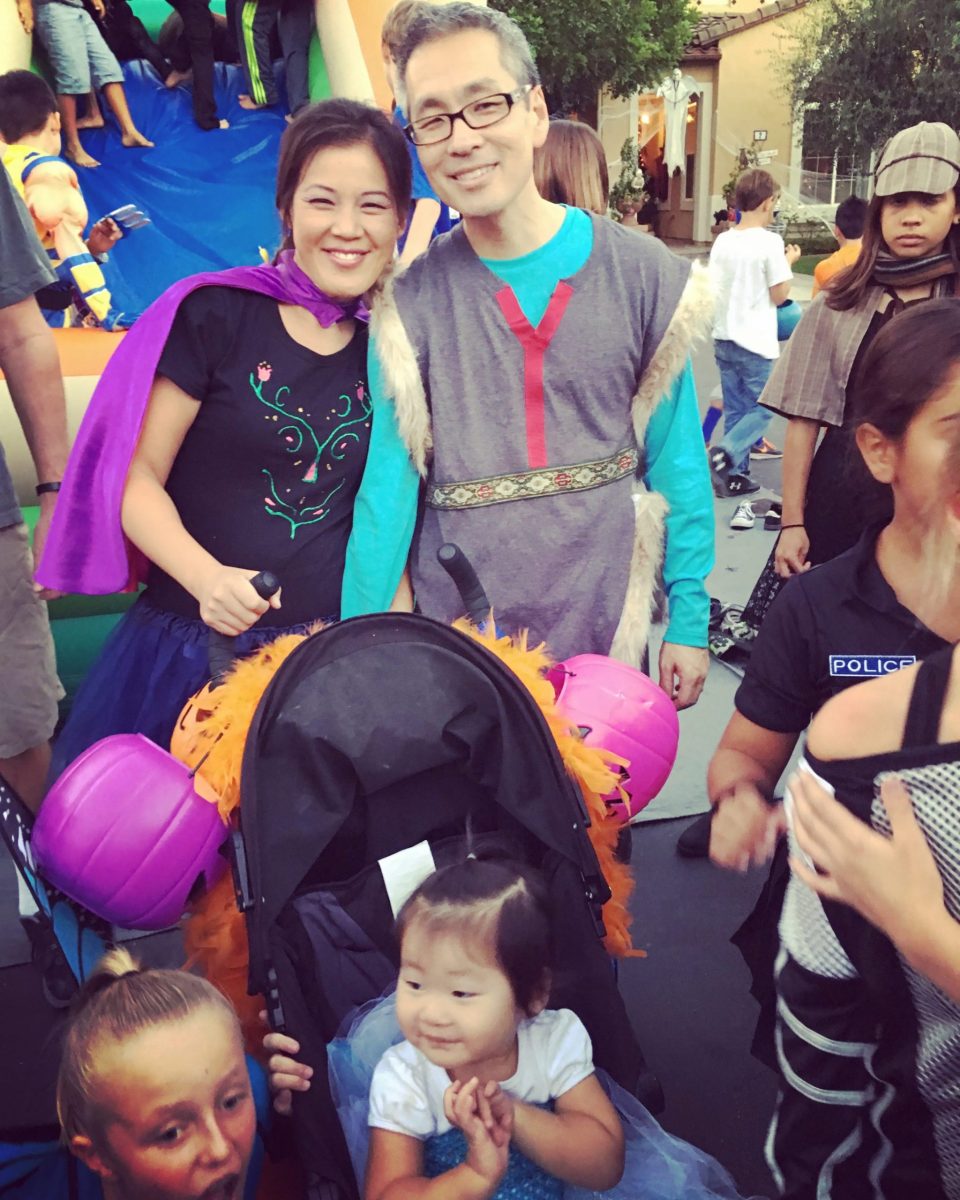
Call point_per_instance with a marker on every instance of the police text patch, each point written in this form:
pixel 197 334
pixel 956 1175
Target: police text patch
pixel 867 666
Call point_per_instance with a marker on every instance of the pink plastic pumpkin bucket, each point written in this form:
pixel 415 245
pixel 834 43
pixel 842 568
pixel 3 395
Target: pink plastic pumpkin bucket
pixel 622 710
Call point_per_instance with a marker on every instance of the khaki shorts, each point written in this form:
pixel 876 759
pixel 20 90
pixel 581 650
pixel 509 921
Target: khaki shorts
pixel 29 687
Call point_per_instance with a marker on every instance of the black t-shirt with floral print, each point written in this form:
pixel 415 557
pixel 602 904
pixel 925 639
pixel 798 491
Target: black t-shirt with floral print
pixel 268 472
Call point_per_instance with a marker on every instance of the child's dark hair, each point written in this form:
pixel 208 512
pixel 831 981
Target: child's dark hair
pixel 907 363
pixel 753 187
pixel 503 903
pixel 341 122
pixel 118 1001
pixel 850 217
pixel 26 102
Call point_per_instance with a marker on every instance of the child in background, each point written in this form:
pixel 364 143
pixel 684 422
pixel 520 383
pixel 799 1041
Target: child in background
pixel 30 125
pixel 491 1093
pixel 254 23
pixel 428 216
pixel 81 59
pixel 752 272
pixel 571 167
pixel 848 230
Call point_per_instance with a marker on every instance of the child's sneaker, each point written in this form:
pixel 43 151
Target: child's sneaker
pixel 765 449
pixel 744 517
pixel 721 468
pixel 741 485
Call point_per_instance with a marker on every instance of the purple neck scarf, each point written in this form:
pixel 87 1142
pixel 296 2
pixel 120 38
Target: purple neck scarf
pixel 301 290
pixel 87 550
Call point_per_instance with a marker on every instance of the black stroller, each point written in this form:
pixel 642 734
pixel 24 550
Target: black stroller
pixel 378 735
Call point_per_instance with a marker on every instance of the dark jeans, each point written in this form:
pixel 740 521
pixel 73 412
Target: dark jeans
pixel 743 376
pixel 127 37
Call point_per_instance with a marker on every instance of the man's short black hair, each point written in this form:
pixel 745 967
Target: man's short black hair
pixel 851 216
pixel 25 104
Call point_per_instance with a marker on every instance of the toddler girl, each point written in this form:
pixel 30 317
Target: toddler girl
pixel 489 1093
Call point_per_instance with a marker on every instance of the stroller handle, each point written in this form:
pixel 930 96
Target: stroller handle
pixel 458 567
pixel 220 646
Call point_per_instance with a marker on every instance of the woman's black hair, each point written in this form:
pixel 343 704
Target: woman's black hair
pixel 906 364
pixel 493 899
pixel 341 122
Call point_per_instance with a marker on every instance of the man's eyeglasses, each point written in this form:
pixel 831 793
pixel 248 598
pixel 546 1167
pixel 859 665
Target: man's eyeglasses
pixel 478 114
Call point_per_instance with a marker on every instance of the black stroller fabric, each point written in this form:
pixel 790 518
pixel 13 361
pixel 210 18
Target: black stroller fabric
pixel 376 735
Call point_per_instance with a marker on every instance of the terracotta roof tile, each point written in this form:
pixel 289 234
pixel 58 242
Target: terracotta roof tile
pixel 710 30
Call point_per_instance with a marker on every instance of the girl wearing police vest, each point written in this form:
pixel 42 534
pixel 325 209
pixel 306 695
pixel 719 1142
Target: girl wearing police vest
pixel 867 613
pixel 868 997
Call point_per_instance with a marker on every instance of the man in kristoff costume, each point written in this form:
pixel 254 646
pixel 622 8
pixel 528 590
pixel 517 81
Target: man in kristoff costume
pixel 540 356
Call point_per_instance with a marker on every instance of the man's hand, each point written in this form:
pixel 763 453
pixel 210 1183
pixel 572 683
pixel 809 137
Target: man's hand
pixel 47 504
pixel 745 829
pixel 104 235
pixel 683 670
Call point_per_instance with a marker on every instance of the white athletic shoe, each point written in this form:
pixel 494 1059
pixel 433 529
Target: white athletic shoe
pixel 744 517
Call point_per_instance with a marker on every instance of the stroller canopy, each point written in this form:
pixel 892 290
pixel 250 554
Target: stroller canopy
pixel 383 731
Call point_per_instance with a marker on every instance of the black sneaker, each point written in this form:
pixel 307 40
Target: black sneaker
pixel 721 468
pixel 694 842
pixel 56 979
pixel 741 485
pixel 773 518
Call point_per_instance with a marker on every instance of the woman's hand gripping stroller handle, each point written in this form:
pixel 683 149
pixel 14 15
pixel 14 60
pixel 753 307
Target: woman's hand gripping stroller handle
pixel 457 566
pixel 220 647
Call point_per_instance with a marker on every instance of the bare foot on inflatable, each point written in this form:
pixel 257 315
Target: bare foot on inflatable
pixel 78 155
pixel 222 124
pixel 249 104
pixel 175 78
pixel 90 122
pixel 136 138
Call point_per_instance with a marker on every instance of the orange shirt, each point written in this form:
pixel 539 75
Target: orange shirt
pixel 838 261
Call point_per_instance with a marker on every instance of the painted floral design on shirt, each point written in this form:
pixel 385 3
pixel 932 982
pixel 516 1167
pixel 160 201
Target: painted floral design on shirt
pixel 310 441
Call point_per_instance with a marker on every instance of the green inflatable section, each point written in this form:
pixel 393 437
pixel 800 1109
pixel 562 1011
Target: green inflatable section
pixel 153 13
pixel 80 625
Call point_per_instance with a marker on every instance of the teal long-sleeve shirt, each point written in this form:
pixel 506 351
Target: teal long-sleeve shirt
pixel 675 464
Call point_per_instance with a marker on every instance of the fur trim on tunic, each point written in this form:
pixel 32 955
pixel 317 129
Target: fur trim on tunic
pixel 630 640
pixel 215 722
pixel 689 324
pixel 402 371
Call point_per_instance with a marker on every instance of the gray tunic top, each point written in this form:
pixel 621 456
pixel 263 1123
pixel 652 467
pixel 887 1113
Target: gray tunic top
pixel 513 413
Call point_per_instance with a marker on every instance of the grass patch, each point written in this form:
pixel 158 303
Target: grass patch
pixel 806 264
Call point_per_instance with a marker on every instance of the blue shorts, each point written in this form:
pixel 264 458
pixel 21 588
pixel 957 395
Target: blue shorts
pixel 79 56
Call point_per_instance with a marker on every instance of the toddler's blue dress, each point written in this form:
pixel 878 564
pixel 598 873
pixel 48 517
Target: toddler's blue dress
pixel 658 1165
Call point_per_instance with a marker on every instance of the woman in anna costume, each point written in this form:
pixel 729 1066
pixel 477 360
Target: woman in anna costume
pixel 237 430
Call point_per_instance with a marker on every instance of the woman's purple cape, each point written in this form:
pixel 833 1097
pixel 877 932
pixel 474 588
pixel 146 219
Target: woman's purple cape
pixel 86 549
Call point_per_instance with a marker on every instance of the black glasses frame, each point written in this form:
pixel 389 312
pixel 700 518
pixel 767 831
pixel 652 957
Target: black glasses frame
pixel 511 98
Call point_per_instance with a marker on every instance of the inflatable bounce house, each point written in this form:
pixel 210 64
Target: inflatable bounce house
pixel 209 200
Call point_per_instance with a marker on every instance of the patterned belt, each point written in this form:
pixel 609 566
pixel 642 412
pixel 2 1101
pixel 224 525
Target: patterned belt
pixel 527 485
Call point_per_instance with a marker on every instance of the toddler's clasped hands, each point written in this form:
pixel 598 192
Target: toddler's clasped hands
pixel 484 1114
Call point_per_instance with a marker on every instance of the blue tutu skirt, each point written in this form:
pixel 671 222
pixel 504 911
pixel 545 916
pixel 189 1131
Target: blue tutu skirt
pixel 150 665
pixel 658 1165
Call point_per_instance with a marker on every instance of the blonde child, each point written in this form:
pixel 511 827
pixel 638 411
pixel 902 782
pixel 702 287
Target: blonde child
pixel 154 1094
pixel 490 1093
